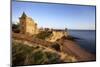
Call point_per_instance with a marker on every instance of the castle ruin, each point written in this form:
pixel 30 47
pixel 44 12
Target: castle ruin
pixel 29 26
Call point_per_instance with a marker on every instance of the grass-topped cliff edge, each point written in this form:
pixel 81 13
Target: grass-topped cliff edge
pixel 23 54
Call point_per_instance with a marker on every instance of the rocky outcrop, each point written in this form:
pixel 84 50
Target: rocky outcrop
pixel 56 35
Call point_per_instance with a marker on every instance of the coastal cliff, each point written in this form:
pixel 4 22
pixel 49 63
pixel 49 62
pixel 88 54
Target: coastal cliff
pixel 27 50
pixel 66 50
pixel 33 45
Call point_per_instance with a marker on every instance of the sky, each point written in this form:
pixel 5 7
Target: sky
pixel 58 16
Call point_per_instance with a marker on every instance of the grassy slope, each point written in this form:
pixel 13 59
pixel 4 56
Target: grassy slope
pixel 24 55
pixel 43 34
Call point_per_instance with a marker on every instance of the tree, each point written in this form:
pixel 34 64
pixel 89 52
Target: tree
pixel 16 28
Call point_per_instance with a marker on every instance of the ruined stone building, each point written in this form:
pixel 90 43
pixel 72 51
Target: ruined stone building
pixel 27 25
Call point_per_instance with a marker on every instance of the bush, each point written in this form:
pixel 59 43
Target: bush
pixel 53 57
pixel 43 35
pixel 16 28
pixel 56 46
pixel 19 53
pixel 25 55
pixel 38 57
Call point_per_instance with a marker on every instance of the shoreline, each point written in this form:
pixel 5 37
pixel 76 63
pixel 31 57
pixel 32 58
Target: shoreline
pixel 81 43
pixel 71 47
pixel 68 46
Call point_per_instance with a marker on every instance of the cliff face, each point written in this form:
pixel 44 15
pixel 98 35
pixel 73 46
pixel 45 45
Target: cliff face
pixel 56 35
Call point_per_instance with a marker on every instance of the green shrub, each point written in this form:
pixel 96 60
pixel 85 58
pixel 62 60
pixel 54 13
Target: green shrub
pixel 38 57
pixel 19 53
pixel 16 28
pixel 53 57
pixel 25 55
pixel 56 46
pixel 43 35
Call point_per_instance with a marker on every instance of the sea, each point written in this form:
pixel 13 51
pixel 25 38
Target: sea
pixel 86 39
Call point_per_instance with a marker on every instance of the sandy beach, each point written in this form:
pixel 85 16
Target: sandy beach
pixel 74 49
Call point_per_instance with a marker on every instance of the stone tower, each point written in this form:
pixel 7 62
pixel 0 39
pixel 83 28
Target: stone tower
pixel 27 25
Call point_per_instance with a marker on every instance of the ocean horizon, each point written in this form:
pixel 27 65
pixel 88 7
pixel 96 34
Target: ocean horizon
pixel 86 39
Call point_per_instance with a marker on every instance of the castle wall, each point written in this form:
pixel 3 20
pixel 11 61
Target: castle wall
pixel 22 25
pixel 28 26
pixel 31 26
